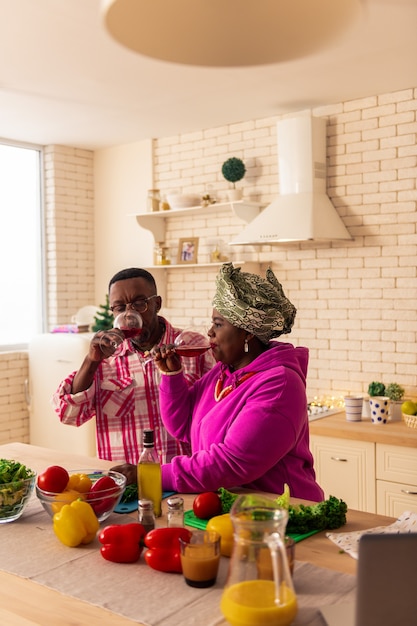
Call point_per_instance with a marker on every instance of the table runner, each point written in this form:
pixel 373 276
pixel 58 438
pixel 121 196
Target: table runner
pixel 29 548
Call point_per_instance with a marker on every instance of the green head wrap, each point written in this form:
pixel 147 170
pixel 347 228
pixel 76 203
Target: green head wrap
pixel 250 302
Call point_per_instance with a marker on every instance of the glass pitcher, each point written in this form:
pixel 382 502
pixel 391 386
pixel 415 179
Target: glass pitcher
pixel 259 589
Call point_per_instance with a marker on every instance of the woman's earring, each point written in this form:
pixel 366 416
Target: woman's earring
pixel 246 346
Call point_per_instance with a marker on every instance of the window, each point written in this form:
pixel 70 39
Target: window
pixel 21 259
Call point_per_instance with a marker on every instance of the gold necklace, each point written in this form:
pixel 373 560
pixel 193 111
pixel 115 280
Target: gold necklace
pixel 220 393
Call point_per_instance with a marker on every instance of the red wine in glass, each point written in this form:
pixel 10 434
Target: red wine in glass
pixel 129 333
pixel 191 350
pixel 129 323
pixel 192 342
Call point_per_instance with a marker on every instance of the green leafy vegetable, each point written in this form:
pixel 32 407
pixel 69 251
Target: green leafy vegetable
pixel 283 500
pixel 328 514
pixel 227 499
pixel 12 471
pixel 13 489
pixel 130 493
pixel 302 518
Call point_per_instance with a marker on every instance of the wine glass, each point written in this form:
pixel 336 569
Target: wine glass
pixel 126 325
pixel 192 341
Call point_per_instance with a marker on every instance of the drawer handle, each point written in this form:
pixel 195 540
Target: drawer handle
pixel 338 458
pixel 408 492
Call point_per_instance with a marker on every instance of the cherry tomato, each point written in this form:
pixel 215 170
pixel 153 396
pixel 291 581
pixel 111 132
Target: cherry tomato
pixel 55 478
pixel 207 505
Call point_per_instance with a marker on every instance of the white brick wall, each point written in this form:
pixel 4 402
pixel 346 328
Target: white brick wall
pixel 355 300
pixel 69 209
pixel 14 419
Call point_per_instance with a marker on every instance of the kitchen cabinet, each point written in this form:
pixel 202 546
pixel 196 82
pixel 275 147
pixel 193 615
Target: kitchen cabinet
pixel 346 469
pixel 396 479
pixel 386 455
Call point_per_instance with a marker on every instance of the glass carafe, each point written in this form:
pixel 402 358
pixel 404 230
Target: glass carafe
pixel 259 589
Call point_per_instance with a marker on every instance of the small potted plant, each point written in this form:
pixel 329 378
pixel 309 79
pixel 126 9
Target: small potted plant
pixel 396 394
pixel 234 170
pixel 376 389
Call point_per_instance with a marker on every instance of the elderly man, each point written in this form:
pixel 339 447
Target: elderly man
pixel 122 390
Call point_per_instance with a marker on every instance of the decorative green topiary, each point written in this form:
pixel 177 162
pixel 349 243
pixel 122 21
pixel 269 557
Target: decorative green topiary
pixel 233 170
pixel 395 392
pixel 104 319
pixel 376 389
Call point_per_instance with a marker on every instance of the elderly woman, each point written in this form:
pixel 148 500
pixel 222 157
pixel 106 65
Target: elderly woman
pixel 246 419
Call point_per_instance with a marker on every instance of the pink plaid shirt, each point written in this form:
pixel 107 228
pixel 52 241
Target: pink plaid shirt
pixel 124 399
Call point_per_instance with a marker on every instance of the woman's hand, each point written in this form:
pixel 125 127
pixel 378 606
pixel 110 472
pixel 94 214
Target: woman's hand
pixel 128 470
pixel 166 359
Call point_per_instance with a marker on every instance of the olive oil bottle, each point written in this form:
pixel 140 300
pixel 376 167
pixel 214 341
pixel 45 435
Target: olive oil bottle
pixel 149 473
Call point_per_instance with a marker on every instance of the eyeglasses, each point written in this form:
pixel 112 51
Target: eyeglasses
pixel 140 305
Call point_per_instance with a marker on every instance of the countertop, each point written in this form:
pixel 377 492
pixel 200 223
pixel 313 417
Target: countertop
pixel 42 579
pixel 393 433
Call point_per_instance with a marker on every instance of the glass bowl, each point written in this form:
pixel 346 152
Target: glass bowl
pixel 103 501
pixel 14 497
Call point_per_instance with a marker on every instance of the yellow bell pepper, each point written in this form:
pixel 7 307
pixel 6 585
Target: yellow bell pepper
pixel 76 523
pixel 65 497
pixel 222 524
pixel 79 482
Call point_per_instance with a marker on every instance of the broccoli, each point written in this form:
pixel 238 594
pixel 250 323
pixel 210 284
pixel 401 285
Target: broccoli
pixel 329 514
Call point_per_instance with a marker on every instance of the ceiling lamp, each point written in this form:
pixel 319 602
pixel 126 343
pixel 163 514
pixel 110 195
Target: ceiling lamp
pixel 228 33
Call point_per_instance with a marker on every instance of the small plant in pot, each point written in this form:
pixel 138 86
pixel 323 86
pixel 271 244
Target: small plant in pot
pixel 376 389
pixel 396 394
pixel 234 170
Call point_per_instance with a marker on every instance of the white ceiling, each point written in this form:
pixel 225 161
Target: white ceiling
pixel 63 80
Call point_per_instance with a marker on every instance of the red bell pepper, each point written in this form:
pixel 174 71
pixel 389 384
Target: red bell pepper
pixel 163 545
pixel 122 543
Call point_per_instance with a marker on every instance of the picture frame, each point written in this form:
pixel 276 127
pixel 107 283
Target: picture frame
pixel 187 250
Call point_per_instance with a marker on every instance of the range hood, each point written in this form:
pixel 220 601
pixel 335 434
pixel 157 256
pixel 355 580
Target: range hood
pixel 303 211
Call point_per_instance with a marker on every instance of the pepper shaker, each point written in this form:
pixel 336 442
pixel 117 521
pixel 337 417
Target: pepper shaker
pixel 146 514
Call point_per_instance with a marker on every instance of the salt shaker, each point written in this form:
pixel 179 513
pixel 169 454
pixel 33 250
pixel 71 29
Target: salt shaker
pixel 175 515
pixel 146 514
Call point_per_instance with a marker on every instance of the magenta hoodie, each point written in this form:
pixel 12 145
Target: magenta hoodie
pixel 255 437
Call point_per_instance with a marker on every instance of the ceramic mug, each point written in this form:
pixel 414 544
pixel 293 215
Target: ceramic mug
pixel 353 408
pixel 379 409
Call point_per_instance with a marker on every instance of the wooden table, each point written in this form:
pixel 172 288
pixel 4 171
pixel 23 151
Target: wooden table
pixel 24 602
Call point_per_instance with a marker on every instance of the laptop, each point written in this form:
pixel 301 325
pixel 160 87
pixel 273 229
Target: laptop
pixel 386 591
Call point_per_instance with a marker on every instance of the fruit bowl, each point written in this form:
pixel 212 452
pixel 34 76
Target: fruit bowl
pixel 103 501
pixel 14 497
pixel 410 420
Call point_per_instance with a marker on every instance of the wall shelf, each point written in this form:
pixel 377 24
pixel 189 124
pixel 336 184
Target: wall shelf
pixel 156 222
pixel 183 266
